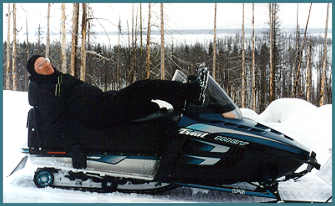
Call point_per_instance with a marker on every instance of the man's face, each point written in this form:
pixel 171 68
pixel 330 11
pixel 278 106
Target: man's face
pixel 43 66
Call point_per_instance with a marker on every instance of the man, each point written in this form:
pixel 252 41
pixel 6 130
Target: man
pixel 63 103
pixel 98 109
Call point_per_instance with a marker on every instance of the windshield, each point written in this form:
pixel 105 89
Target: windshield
pixel 216 98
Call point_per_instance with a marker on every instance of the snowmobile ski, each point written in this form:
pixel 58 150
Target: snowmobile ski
pixel 260 191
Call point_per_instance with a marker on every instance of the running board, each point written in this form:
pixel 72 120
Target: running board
pixel 137 167
pixel 143 169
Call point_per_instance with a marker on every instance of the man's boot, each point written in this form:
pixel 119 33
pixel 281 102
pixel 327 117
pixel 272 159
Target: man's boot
pixel 198 83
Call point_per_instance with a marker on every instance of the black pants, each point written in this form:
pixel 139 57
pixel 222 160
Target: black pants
pixel 134 101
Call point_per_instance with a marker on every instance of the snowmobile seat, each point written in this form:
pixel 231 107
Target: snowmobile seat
pixel 143 135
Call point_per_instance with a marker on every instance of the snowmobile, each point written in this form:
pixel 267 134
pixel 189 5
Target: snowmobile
pixel 197 148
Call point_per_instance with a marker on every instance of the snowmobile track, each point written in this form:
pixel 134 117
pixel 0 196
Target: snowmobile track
pixel 108 183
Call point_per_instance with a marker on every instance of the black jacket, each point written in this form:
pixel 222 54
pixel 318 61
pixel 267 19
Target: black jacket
pixel 62 102
pixel 63 98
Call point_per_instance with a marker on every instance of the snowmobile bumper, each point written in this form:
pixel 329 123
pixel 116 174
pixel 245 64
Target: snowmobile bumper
pixel 20 166
pixel 311 164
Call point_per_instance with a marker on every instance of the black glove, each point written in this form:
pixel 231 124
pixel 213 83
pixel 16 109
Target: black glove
pixel 141 109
